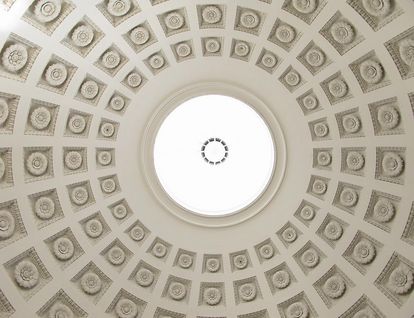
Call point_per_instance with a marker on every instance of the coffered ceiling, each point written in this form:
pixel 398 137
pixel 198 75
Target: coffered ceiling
pixel 86 229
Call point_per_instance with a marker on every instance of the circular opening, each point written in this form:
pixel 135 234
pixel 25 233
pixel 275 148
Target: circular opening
pixel 214 155
pixel 214 151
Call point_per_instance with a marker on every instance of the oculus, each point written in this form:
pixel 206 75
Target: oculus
pixel 183 172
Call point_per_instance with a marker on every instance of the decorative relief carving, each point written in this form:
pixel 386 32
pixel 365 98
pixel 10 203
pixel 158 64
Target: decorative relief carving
pixel 118 103
pixel 382 209
pixel 318 186
pixel 38 162
pixel 390 164
pixel 309 257
pixel 291 79
pixel 401 49
pixel 145 275
pixel 212 294
pixel 7 224
pixel 64 247
pixel 336 89
pixel 241 50
pixel 105 157
pixel 110 186
pixel 268 61
pixel 332 229
pixel 249 20
pixel 177 289
pixel 306 212
pixel 118 11
pixel 11 223
pixel 363 308
pixel 370 72
pixel 297 306
pixel 47 15
pixel 120 209
pixel 246 290
pixel 212 263
pixel 78 124
pixel 319 129
pixel 377 13
pixel 185 259
pixel 305 10
pixel 28 273
pixel 314 58
pixel 6 169
pixel 322 158
pixel 8 108
pixel 160 249
pixel 83 37
pixel 362 251
pixel 173 22
pixel 134 80
pixel 118 8
pixel 212 46
pixel 80 195
pixel 284 35
pixel 211 16
pixel 117 255
pixel 74 160
pixel 140 37
pixel 353 160
pixel 341 33
pixel 138 232
pixel 92 282
pixel 108 129
pixel 386 117
pixel 279 277
pixel 160 312
pixel 6 308
pixel 61 305
pixel 347 196
pixel 240 260
pixel 57 75
pixel 126 305
pixel 112 60
pixel 17 57
pixel 288 234
pixel 396 279
pixel 309 102
pixel 333 285
pixel 95 227
pixel 156 62
pixel 266 250
pixel 183 50
pixel 42 118
pixel 408 233
pixel 46 207
pixel 91 90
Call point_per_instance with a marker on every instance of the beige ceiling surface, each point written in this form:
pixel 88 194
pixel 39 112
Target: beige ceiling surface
pixel 86 231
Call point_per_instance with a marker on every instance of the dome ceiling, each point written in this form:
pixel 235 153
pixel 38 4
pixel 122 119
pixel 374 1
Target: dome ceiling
pixel 85 226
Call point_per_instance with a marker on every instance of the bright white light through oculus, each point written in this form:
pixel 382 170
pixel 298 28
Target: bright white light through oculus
pixel 214 155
